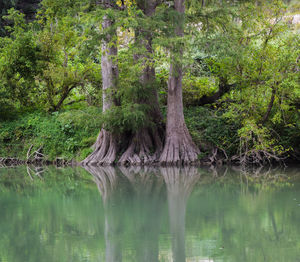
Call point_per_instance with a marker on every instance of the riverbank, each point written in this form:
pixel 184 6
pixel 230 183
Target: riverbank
pixel 67 136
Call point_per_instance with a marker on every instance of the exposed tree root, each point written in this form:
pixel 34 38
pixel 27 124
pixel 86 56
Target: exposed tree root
pixel 179 149
pixel 105 150
pixel 218 156
pixel 258 157
pixel 139 151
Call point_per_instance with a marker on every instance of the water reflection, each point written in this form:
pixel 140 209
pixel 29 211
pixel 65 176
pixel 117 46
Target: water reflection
pixel 107 182
pixel 180 183
pixel 147 192
pixel 149 214
pixel 147 199
pixel 142 191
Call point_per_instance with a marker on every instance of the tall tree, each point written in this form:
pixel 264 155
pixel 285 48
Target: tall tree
pixel 179 147
pixel 148 138
pixel 105 148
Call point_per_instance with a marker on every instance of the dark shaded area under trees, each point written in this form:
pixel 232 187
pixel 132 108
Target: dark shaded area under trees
pixel 28 7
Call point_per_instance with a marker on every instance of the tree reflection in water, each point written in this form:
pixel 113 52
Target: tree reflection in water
pixel 180 183
pixel 146 187
pixel 232 215
pixel 107 182
pixel 144 190
pixel 148 200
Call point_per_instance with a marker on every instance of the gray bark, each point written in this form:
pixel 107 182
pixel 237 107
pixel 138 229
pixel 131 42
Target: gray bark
pixel 109 66
pixel 105 148
pixel 148 139
pixel 179 147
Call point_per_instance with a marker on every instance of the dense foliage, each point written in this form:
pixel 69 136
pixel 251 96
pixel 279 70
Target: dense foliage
pixel 241 87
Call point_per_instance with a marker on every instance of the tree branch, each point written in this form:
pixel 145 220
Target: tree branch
pixel 270 106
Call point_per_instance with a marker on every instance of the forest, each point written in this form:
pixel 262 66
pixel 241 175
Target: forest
pixel 142 82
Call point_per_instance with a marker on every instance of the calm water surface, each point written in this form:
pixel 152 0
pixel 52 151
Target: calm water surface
pixel 148 215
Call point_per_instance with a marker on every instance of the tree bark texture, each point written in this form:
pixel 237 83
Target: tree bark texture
pixel 145 146
pixel 105 148
pixel 179 147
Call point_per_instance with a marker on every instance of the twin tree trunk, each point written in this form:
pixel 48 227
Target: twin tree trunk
pixel 146 146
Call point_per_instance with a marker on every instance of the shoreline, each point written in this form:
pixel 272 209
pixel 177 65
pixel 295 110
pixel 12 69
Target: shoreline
pixel 60 162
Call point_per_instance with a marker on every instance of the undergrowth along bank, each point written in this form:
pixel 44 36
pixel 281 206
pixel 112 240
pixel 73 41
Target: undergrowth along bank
pixel 69 134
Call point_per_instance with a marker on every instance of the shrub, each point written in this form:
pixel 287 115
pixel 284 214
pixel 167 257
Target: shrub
pixel 61 134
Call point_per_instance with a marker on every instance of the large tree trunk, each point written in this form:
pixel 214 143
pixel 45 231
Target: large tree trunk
pixel 148 139
pixel 179 147
pixel 105 148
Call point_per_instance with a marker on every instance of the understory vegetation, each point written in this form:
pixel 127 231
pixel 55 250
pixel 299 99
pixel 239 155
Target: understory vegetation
pixel 69 69
pixel 71 133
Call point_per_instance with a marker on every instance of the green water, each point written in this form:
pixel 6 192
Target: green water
pixel 112 215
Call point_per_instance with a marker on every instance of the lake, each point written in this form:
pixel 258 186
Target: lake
pixel 149 214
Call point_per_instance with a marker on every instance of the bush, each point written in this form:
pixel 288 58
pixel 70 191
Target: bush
pixel 65 134
pixel 209 128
